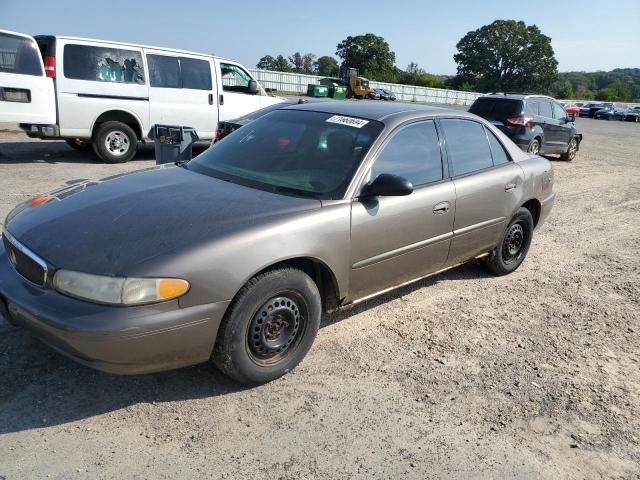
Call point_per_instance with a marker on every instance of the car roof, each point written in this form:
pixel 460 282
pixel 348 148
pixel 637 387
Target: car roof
pixel 376 110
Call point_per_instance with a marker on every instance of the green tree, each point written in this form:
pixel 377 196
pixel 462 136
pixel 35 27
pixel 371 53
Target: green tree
pixel 607 94
pixel 507 56
pixel 327 66
pixel 308 63
pixel 296 62
pixel 278 64
pixel 565 92
pixel 369 53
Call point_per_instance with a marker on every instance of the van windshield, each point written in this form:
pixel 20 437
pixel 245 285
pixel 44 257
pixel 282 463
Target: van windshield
pixel 293 152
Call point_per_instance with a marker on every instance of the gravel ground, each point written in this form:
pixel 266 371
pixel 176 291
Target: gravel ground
pixel 463 375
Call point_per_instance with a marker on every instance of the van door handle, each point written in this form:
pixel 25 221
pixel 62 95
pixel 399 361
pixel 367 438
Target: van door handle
pixel 441 208
pixel 211 99
pixel 221 99
pixel 509 186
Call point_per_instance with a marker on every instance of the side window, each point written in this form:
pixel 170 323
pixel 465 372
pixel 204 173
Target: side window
pixel 545 109
pixel 467 144
pixel 497 150
pixel 19 55
pixel 195 73
pixel 558 111
pixel 164 71
pixel 531 108
pixel 102 64
pixel 413 153
pixel 234 78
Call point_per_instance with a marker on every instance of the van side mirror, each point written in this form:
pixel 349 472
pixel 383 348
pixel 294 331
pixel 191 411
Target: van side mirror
pixel 253 87
pixel 387 185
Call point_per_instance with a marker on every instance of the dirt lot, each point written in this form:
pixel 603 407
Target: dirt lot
pixel 534 375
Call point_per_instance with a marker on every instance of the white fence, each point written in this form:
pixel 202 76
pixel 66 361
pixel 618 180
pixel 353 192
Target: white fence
pixel 297 83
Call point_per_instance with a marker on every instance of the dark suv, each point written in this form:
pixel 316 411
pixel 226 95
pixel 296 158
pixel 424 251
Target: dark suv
pixel 537 124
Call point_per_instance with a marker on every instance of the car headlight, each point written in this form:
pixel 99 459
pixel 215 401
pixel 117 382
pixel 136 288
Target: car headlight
pixel 118 290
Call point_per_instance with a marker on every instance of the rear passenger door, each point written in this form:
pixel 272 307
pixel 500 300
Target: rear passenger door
pixel 26 93
pixel 397 239
pixel 182 91
pixel 488 187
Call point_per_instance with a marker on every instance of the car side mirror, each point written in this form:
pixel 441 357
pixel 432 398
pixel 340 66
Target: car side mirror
pixel 387 185
pixel 571 117
pixel 253 87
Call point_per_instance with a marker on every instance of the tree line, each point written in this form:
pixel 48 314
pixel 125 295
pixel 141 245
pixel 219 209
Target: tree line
pixel 506 55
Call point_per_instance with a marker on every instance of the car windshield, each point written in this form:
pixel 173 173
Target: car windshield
pixel 292 152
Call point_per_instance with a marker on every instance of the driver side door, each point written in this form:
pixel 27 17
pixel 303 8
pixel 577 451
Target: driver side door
pixel 398 239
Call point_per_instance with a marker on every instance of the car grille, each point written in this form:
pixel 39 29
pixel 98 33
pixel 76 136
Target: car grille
pixel 26 263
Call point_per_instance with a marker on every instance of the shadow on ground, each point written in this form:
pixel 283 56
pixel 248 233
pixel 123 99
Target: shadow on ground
pixel 43 388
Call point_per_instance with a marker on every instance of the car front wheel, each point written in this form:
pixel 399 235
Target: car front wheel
pixel 572 150
pixel 270 326
pixel 514 245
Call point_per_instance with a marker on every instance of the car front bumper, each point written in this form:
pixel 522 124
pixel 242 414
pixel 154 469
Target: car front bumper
pixel 123 340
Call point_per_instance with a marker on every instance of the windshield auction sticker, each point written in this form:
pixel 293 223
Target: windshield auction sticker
pixel 349 121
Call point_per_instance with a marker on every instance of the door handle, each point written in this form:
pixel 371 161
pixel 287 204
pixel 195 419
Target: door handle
pixel 221 99
pixel 441 208
pixel 211 99
pixel 509 186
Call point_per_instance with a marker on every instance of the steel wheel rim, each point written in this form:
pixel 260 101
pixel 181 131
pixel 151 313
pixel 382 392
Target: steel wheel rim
pixel 117 143
pixel 514 243
pixel 276 328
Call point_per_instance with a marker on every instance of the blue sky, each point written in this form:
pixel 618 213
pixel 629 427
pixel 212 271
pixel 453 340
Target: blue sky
pixel 586 35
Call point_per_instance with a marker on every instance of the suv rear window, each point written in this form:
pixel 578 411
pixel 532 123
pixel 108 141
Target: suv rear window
pixel 86 62
pixel 491 107
pixel 19 55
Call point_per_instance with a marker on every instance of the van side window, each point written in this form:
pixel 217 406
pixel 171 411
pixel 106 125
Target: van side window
pixel 467 144
pixel 497 150
pixel 195 73
pixel 413 152
pixel 178 72
pixel 164 71
pixel 234 78
pixel 19 55
pixel 86 62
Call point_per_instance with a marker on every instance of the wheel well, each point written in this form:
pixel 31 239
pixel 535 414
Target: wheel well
pixel 319 273
pixel 533 206
pixel 119 116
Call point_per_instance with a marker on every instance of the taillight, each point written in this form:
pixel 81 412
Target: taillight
pixel 50 66
pixel 521 120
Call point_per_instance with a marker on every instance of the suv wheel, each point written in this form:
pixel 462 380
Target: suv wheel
pixel 572 150
pixel 115 142
pixel 269 327
pixel 534 147
pixel 514 245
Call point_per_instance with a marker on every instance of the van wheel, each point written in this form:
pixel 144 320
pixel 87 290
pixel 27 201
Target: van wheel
pixel 269 327
pixel 115 142
pixel 513 247
pixel 79 145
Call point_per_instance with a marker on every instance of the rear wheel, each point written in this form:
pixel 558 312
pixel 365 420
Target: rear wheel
pixel 572 150
pixel 78 144
pixel 269 327
pixel 115 142
pixel 514 245
pixel 534 147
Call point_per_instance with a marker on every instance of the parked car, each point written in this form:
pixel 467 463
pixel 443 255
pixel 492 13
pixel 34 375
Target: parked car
pixel 382 94
pixel 536 123
pixel 234 255
pixel 571 109
pixel 591 109
pixel 374 94
pixel 632 114
pixel 108 94
pixel 605 113
pixel 230 126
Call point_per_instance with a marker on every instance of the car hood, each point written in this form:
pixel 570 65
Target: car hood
pixel 108 226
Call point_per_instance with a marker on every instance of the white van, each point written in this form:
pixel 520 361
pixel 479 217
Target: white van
pixel 109 94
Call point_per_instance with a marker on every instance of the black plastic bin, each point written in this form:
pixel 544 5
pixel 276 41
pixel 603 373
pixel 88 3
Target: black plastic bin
pixel 173 143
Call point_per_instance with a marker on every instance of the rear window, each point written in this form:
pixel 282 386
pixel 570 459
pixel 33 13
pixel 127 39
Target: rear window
pixel 496 107
pixel 101 64
pixel 19 55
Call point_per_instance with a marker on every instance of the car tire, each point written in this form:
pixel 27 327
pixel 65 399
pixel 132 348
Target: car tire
pixel 115 142
pixel 534 147
pixel 513 247
pixel 78 144
pixel 572 150
pixel 269 327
